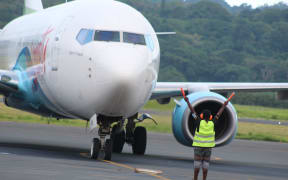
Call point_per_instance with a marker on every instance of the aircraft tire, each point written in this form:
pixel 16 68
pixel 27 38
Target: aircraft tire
pixel 95 148
pixel 108 149
pixel 140 140
pixel 118 140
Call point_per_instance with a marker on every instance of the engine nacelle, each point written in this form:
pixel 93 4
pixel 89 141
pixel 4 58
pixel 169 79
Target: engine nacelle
pixel 183 123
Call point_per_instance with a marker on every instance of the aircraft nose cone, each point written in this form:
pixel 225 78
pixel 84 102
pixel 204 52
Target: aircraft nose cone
pixel 120 62
pixel 126 84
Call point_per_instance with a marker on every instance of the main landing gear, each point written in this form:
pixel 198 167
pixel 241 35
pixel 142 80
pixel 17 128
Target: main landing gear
pixel 137 138
pixel 134 136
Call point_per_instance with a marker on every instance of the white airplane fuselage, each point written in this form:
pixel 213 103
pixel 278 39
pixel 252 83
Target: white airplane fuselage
pixel 79 80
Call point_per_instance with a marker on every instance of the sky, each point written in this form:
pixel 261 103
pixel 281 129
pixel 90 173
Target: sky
pixel 254 3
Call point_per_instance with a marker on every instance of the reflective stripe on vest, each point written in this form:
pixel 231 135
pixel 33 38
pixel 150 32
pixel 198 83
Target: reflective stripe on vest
pixel 202 136
pixel 206 135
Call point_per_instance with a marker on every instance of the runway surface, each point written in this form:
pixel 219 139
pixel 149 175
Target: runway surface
pixel 32 151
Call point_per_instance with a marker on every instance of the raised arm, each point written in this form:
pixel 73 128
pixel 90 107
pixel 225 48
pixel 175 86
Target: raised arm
pixel 189 104
pixel 223 107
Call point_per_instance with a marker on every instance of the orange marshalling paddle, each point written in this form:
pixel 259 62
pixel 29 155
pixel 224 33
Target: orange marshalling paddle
pixel 233 93
pixel 183 92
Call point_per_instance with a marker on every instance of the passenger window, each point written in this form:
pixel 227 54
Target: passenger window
pixel 85 36
pixel 149 42
pixel 107 36
pixel 134 38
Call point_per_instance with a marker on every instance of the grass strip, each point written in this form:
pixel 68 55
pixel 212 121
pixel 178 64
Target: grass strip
pixel 255 112
pixel 14 115
pixel 250 131
pixel 264 132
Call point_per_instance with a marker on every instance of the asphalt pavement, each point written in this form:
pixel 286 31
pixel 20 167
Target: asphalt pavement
pixel 48 152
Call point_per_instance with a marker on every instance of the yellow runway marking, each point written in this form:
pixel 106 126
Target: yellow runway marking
pixel 118 164
pixel 217 158
pixel 126 166
pixel 129 167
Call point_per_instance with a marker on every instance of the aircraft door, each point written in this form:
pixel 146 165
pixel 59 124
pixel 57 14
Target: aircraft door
pixel 58 49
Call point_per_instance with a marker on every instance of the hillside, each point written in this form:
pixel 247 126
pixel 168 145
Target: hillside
pixel 212 42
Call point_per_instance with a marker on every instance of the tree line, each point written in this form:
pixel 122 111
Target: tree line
pixel 214 42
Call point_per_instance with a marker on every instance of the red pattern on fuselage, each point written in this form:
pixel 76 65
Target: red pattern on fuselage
pixel 39 52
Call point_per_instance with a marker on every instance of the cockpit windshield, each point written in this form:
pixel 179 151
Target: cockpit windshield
pixel 134 38
pixel 86 36
pixel 107 36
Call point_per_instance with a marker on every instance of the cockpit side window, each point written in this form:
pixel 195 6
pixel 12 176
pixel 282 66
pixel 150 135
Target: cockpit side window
pixel 85 36
pixel 113 36
pixel 134 38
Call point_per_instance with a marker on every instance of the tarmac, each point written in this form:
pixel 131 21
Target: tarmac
pixel 48 152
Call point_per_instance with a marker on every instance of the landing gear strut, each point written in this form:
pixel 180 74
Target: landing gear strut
pixel 101 145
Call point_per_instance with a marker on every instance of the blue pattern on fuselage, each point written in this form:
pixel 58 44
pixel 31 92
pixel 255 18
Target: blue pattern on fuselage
pixel 22 60
pixel 31 97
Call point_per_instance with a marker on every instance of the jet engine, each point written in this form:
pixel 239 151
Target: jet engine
pixel 183 124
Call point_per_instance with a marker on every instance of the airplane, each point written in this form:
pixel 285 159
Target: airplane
pixel 98 60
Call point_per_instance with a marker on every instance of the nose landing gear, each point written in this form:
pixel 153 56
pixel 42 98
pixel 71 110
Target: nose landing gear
pixel 102 146
pixel 95 148
pixel 134 136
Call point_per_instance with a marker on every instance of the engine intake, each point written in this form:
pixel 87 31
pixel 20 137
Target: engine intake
pixel 183 123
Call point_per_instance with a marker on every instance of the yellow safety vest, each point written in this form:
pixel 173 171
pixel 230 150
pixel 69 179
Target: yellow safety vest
pixel 206 135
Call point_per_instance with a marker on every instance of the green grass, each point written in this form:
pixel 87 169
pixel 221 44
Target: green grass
pixel 265 132
pixel 258 112
pixel 156 106
pixel 164 124
pixel 255 112
pixel 250 131
pixel 14 115
pixel 261 137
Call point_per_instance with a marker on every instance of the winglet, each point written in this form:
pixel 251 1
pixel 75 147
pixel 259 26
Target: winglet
pixel 32 6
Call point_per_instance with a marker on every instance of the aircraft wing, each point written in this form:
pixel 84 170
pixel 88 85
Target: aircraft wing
pixel 8 82
pixel 172 89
